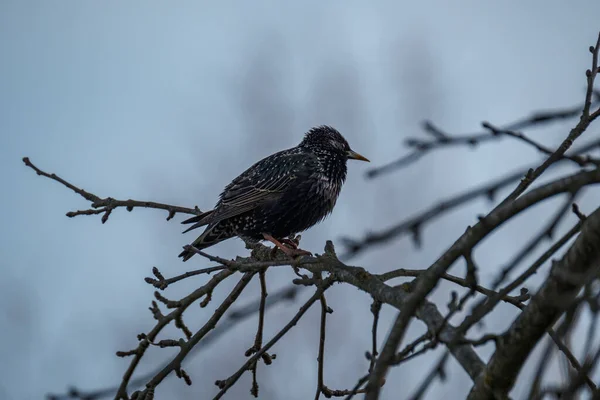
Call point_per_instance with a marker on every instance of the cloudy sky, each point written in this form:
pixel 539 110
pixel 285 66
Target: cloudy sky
pixel 169 101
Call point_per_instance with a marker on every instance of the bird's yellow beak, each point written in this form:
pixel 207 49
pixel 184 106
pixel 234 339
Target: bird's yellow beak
pixel 355 156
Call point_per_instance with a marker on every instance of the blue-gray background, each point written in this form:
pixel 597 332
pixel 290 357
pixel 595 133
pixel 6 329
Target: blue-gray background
pixel 168 101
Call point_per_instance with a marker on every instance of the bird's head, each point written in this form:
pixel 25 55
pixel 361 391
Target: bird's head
pixel 327 140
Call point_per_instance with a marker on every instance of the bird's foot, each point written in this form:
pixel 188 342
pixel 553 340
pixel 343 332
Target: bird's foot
pixel 293 251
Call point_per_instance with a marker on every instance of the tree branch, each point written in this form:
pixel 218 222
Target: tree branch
pixel 585 121
pixel 227 383
pixel 442 140
pixel 107 205
pixel 428 280
pixel 414 225
pixel 186 346
pixel 580 262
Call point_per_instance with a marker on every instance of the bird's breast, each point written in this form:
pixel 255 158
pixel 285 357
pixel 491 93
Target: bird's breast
pixel 328 190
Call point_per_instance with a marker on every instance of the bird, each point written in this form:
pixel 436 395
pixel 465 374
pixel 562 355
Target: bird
pixel 279 196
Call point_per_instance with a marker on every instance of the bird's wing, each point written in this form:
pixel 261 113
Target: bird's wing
pixel 264 182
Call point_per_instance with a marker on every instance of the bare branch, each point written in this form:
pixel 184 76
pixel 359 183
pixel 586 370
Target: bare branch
pixel 568 275
pixel 375 309
pixel 427 281
pixel 321 388
pixel 585 121
pixel 582 161
pixel 514 300
pixel 187 346
pixel 227 383
pixel 485 306
pixel 591 76
pixel 441 139
pixel 107 205
pixel 259 331
pixel 414 224
pixel 151 336
pixel 235 317
pixel 546 232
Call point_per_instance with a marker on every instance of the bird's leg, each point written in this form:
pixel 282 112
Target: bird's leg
pixel 277 244
pixel 286 250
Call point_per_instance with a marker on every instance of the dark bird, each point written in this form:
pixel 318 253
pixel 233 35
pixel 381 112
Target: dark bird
pixel 281 195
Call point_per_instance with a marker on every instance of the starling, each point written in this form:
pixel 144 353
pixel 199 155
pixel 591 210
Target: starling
pixel 281 195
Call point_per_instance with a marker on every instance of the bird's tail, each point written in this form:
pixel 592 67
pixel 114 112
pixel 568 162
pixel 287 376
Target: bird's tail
pixel 187 254
pixel 198 220
pixel 211 236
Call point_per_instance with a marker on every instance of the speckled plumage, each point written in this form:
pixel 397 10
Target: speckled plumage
pixel 282 194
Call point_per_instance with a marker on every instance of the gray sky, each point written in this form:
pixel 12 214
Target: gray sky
pixel 168 102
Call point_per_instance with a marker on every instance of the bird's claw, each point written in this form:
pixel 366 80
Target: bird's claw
pixel 288 246
pixel 293 253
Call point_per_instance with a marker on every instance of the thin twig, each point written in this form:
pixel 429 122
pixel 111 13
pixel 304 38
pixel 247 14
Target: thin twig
pixel 320 357
pixel 151 336
pixel 414 225
pixel 164 283
pixel 438 370
pixel 485 306
pixel 259 331
pixel 224 385
pixel 542 364
pixel 582 161
pixel 558 292
pixel 441 139
pixel 357 388
pixel 585 121
pixel 514 300
pixel 375 310
pixel 423 285
pixel 187 346
pixel 108 204
pixel 234 318
pixel 546 232
pixel 410 348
